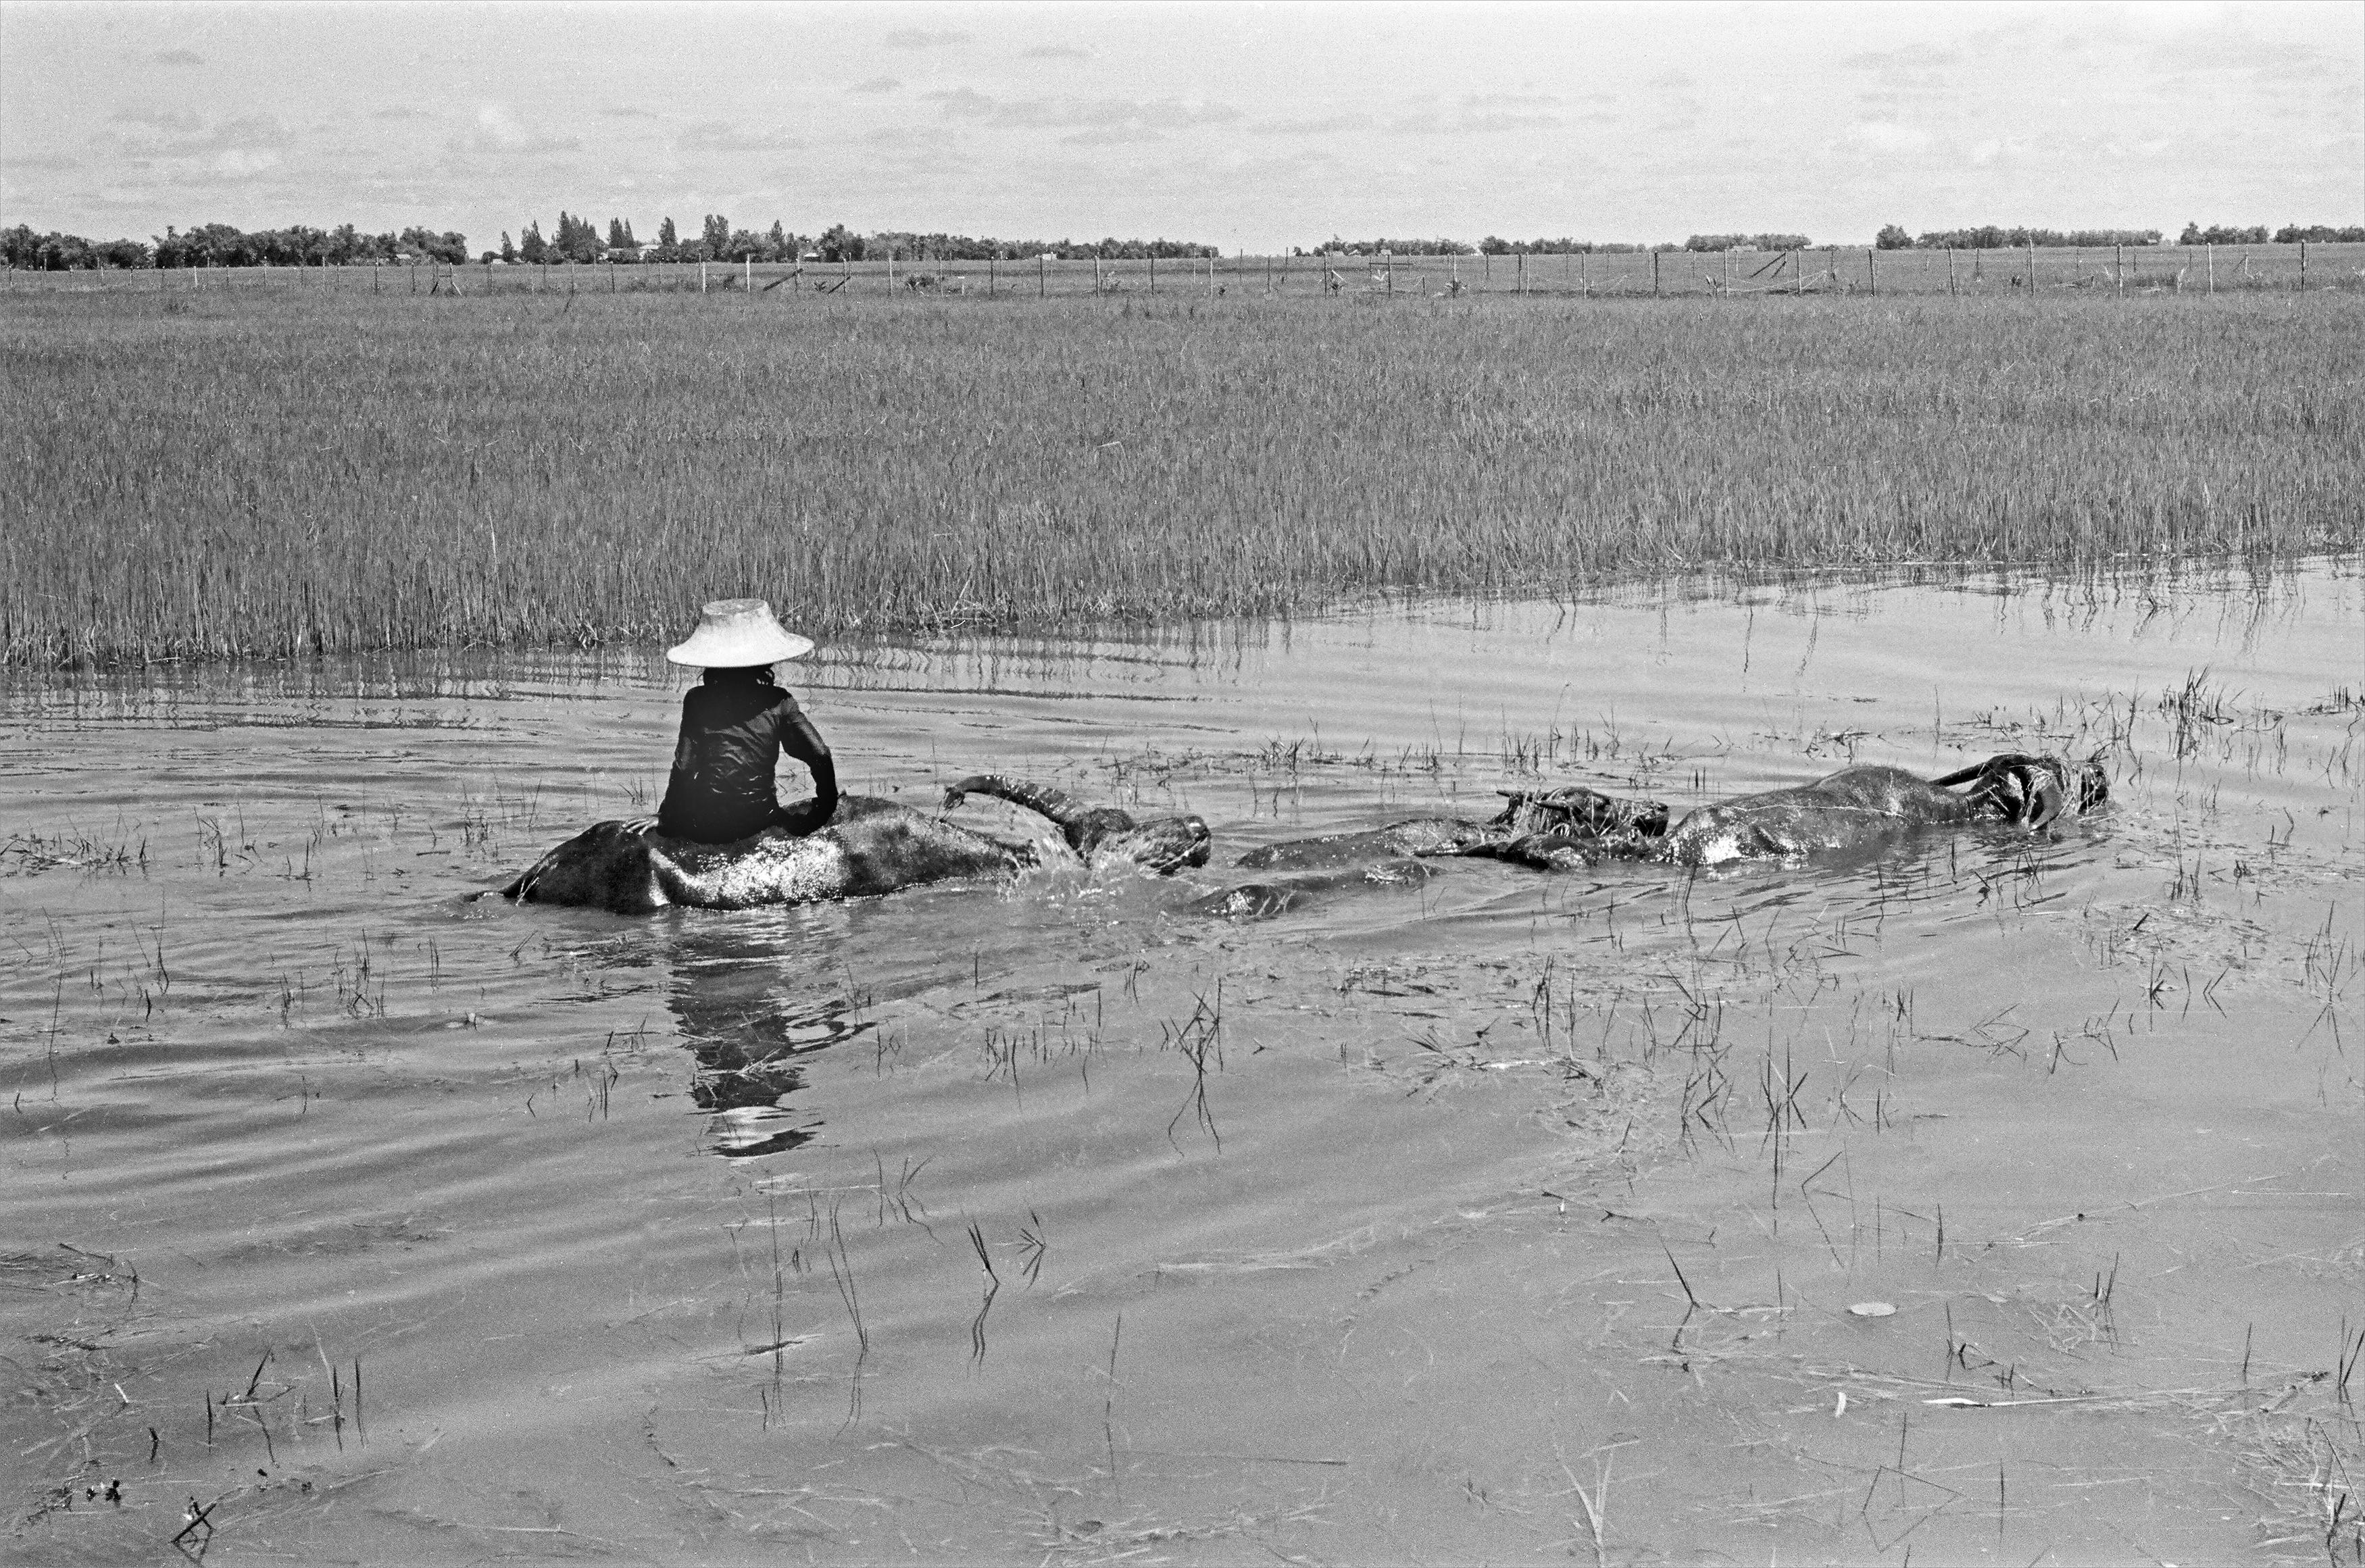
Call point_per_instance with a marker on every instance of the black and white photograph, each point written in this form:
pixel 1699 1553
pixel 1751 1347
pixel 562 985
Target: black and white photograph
pixel 1182 783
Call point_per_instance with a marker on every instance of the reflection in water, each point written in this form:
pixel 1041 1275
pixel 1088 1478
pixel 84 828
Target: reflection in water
pixel 751 1004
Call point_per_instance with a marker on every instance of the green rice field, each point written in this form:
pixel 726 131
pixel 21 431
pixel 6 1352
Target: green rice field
pixel 226 471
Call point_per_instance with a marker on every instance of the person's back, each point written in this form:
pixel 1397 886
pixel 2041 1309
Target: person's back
pixel 735 725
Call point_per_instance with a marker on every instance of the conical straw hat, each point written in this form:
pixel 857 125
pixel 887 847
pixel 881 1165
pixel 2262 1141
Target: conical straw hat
pixel 736 633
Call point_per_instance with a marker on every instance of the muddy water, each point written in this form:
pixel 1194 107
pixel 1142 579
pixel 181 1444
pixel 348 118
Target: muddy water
pixel 1478 1216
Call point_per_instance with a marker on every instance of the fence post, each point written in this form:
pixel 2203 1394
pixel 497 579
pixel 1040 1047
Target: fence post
pixel 2032 266
pixel 1950 269
pixel 1153 272
pixel 2303 267
pixel 2210 251
pixel 989 277
pixel 1041 292
pixel 747 276
pixel 1211 274
pixel 2119 267
pixel 1872 270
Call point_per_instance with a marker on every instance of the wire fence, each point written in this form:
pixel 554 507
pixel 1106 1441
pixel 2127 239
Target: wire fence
pixel 1665 275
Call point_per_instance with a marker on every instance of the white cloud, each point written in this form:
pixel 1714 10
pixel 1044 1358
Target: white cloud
pixel 1312 124
pixel 168 134
pixel 1102 115
pixel 243 162
pixel 1888 136
pixel 1470 119
pixel 721 136
pixel 496 129
pixel 2172 16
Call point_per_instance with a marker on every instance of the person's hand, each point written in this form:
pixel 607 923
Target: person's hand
pixel 638 825
pixel 810 816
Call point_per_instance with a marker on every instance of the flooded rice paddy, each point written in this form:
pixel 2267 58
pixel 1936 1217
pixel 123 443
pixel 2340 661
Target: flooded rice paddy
pixel 1979 1198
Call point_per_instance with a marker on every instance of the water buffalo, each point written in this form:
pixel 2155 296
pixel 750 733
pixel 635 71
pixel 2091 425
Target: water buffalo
pixel 1852 808
pixel 868 846
pixel 1573 828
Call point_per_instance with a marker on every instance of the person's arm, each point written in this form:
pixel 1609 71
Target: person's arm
pixel 801 741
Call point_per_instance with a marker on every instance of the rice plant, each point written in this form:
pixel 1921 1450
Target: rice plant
pixel 283 473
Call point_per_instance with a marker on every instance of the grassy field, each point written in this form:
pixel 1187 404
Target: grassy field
pixel 266 471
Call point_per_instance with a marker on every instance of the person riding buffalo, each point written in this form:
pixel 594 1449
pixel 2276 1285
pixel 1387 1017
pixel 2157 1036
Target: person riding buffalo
pixel 735 724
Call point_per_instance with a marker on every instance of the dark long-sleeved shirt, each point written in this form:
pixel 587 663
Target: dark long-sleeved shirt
pixel 731 738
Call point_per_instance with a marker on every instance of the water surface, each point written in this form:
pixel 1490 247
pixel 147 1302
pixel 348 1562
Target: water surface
pixel 1478 1216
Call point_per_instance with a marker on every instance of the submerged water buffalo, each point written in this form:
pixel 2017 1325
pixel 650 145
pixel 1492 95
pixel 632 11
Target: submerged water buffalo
pixel 868 846
pixel 1573 828
pixel 1854 807
pixel 1102 834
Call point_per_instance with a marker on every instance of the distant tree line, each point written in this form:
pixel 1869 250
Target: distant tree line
pixel 220 246
pixel 1746 242
pixel 54 251
pixel 1334 246
pixel 1989 237
pixel 717 240
pixel 1893 236
pixel 574 239
pixel 1495 245
pixel 2289 234
pixel 841 243
pixel 577 239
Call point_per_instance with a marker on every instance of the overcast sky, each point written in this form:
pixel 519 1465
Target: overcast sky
pixel 1252 126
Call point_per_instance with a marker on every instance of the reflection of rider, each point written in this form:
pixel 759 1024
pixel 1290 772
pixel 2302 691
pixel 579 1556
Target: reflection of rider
pixel 735 725
pixel 748 1016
